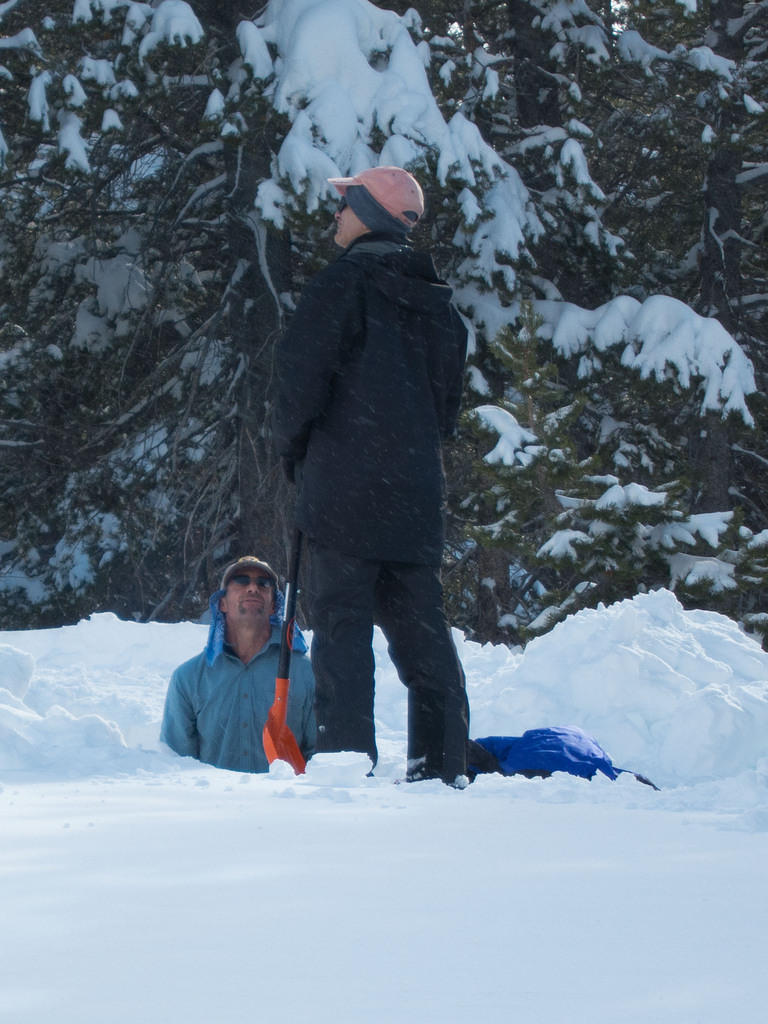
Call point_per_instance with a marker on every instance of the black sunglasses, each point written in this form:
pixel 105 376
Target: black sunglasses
pixel 343 204
pixel 265 582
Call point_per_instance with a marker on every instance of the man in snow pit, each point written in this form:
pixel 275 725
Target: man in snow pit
pixel 217 702
pixel 369 385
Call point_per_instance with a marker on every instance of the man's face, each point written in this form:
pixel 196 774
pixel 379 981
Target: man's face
pixel 249 598
pixel 348 225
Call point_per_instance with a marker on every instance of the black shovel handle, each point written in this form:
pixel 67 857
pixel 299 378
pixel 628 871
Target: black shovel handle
pixel 289 616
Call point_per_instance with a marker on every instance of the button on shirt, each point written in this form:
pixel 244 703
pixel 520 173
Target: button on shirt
pixel 217 712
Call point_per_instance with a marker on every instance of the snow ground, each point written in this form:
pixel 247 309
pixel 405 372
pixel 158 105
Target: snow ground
pixel 139 886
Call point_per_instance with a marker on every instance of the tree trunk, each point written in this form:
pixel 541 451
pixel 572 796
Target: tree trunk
pixel 711 462
pixel 720 293
pixel 493 594
pixel 260 261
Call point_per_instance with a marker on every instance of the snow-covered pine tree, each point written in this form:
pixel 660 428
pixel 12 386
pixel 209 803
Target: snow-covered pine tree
pixel 525 455
pixel 683 159
pixel 165 173
pixel 165 195
pixel 141 282
pixel 520 80
pixel 622 516
pixel 639 109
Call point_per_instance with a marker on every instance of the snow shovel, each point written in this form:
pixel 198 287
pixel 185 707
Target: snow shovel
pixel 279 742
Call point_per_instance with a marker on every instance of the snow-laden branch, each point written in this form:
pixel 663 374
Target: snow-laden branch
pixel 635 50
pixel 753 175
pixel 516 445
pixel 24 40
pixel 200 193
pixel 661 338
pixel 352 80
pixel 173 22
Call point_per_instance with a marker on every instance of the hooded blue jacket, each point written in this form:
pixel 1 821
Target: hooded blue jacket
pixel 217 712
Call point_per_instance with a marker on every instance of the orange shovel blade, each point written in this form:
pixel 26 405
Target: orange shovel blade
pixel 279 742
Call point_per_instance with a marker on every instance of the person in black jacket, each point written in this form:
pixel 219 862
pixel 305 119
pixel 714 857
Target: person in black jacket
pixel 369 386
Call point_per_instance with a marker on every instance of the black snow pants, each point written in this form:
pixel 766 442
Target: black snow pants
pixel 347 595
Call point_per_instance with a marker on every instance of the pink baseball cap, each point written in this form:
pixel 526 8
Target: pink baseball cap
pixel 392 187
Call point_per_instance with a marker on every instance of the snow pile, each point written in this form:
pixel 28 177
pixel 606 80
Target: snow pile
pixel 16 668
pixel 87 699
pixel 680 696
pixel 124 865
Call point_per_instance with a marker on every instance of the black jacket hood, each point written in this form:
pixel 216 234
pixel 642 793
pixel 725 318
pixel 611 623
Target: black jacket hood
pixel 406 277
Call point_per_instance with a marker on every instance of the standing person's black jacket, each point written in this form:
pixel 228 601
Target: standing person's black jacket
pixel 369 385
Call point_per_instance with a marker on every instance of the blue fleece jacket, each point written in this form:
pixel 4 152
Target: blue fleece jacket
pixel 217 712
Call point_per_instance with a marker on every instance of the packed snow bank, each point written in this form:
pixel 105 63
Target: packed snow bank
pixel 681 696
pixel 115 852
pixel 93 695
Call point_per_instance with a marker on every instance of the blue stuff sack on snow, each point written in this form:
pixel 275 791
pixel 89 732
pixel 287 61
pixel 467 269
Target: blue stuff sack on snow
pixel 543 751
